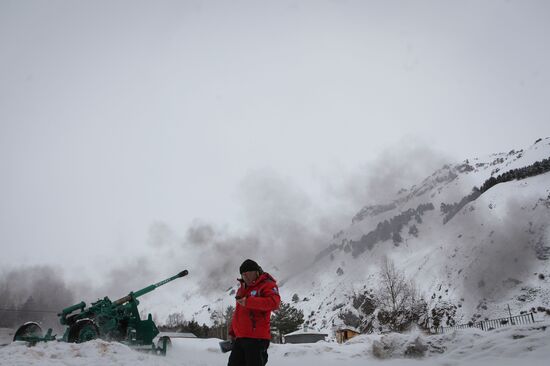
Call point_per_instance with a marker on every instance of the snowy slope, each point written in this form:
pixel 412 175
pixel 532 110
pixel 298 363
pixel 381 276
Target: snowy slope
pixel 508 346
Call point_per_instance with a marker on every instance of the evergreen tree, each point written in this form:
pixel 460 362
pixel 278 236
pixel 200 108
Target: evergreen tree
pixel 287 319
pixel 204 331
pixel 194 327
pixel 228 315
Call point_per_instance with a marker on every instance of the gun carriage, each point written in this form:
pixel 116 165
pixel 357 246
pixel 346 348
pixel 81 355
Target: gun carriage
pixel 117 320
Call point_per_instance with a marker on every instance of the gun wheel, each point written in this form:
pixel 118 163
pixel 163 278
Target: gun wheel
pixel 83 331
pixel 27 332
pixel 161 340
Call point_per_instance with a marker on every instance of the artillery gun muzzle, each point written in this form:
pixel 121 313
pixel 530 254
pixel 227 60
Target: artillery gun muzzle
pixel 183 273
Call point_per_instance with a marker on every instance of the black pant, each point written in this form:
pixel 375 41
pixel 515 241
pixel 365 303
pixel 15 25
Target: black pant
pixel 249 352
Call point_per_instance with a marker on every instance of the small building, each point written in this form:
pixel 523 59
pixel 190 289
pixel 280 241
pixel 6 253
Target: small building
pixel 344 334
pixel 304 336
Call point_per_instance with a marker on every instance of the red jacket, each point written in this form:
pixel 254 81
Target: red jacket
pixel 252 320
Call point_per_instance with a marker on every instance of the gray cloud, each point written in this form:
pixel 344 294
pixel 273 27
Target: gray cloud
pixel 398 166
pixel 132 275
pixel 160 235
pixel 286 225
pixel 38 292
pixel 200 233
pixel 506 256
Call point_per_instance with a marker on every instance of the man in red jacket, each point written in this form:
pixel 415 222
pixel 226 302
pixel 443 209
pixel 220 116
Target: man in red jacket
pixel 250 327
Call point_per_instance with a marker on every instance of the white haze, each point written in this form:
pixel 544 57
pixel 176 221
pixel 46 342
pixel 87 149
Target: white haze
pixel 132 129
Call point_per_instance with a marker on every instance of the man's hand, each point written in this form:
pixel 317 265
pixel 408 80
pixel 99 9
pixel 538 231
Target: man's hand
pixel 242 301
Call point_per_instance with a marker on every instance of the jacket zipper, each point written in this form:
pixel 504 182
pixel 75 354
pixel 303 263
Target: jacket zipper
pixel 253 320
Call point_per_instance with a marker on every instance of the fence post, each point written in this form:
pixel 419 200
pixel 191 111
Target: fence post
pixel 481 324
pixel 532 318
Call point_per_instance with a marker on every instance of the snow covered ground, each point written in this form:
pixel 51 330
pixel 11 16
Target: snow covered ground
pixel 527 345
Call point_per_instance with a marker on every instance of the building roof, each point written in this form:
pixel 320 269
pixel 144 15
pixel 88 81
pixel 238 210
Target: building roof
pixel 305 331
pixel 177 335
pixel 348 328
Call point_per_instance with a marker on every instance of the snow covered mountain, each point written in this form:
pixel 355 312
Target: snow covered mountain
pixel 474 237
pixel 470 251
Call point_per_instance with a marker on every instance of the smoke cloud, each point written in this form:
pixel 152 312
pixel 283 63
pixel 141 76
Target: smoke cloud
pixel 399 167
pixel 506 255
pixel 33 294
pixel 286 224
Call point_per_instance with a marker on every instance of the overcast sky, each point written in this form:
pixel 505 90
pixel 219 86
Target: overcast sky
pixel 115 115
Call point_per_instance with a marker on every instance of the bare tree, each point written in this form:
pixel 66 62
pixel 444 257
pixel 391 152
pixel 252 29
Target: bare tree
pixel 393 289
pixel 175 320
pixel 398 298
pixel 221 320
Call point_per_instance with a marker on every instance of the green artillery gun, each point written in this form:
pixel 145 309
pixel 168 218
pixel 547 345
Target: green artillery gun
pixel 109 320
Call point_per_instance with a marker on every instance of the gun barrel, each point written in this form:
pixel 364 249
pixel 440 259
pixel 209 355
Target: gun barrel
pixel 181 274
pixel 149 288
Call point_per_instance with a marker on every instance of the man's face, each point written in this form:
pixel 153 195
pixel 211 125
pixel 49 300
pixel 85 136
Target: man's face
pixel 249 277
